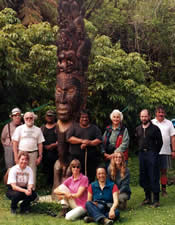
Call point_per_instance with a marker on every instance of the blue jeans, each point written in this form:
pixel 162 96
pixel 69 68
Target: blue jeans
pixel 100 211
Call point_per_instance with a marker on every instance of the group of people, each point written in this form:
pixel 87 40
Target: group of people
pixel 79 193
pixel 156 145
pixel 102 198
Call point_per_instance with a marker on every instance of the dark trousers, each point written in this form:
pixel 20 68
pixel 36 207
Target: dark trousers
pixel 149 171
pixel 92 162
pixel 16 196
pixel 49 159
pixel 99 212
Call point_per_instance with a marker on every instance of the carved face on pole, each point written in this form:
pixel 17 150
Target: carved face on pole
pixel 67 96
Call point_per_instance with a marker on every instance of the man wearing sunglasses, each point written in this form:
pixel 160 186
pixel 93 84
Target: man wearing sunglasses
pixel 29 138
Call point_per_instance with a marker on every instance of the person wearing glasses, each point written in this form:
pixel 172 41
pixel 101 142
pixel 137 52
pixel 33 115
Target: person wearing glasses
pixel 6 137
pixel 72 193
pixel 29 137
pixel 119 174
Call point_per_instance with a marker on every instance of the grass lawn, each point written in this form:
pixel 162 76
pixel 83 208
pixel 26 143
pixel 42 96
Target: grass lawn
pixel 134 215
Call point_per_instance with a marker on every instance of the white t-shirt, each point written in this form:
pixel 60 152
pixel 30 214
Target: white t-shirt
pixel 28 137
pixel 20 177
pixel 167 131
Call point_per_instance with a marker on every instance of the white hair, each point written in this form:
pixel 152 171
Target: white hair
pixel 31 114
pixel 116 111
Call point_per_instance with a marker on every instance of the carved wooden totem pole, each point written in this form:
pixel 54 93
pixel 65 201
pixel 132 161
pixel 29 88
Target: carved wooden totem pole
pixel 73 52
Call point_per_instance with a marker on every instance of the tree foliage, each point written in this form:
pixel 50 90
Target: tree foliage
pixel 143 26
pixel 131 64
pixel 27 62
pixel 33 11
pixel 125 81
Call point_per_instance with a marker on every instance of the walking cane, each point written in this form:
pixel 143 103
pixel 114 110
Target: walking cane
pixel 85 161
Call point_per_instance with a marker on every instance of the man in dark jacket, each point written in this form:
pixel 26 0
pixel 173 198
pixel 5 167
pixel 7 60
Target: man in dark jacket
pixel 149 143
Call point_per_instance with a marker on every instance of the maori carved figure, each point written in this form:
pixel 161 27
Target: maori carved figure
pixel 73 52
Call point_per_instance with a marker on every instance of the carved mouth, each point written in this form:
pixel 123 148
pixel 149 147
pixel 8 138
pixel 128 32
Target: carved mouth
pixel 62 111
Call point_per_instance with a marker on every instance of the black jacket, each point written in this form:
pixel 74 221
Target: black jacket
pixel 149 138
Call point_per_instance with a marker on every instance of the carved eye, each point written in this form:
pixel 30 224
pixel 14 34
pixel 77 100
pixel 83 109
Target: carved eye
pixel 71 91
pixel 58 91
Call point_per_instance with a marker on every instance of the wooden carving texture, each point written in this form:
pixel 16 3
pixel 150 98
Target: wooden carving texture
pixel 73 51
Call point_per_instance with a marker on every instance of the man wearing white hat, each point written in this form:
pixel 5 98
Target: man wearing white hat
pixel 6 137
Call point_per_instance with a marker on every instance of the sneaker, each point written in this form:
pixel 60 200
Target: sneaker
pixel 13 211
pixel 146 202
pixel 88 219
pixel 156 204
pixel 106 221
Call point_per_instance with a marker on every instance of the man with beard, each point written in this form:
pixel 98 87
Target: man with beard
pixel 84 138
pixel 149 143
pixel 168 135
pixel 50 153
pixel 29 138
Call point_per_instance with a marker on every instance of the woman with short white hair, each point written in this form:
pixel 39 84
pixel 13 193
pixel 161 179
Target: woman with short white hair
pixel 115 138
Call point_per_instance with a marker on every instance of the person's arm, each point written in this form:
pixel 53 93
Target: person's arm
pixel 51 146
pixel 124 187
pixel 4 135
pixel 114 205
pixel 15 150
pixel 79 192
pixel 173 146
pixel 75 140
pixel 60 194
pixel 20 189
pixel 40 153
pixel 159 139
pixel 89 198
pixel 125 142
pixel 83 142
pixel 94 142
pixel 30 187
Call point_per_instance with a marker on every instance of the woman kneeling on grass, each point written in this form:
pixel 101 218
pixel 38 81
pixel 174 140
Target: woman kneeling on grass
pixel 73 193
pixel 119 173
pixel 102 200
pixel 20 184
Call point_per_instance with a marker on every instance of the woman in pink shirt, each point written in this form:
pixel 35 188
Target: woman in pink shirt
pixel 73 193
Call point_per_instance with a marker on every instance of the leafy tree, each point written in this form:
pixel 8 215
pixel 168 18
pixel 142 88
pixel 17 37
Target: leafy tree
pixel 146 27
pixel 33 11
pixel 27 62
pixel 118 77
pixel 124 81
